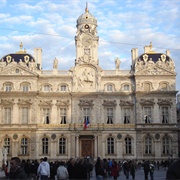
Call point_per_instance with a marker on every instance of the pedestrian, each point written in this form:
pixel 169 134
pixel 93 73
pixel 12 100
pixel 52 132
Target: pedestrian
pixel 16 172
pixel 151 170
pixel 99 169
pixel 132 169
pixel 62 172
pixel 173 171
pixel 126 168
pixel 71 167
pixel 43 170
pixel 145 166
pixel 115 170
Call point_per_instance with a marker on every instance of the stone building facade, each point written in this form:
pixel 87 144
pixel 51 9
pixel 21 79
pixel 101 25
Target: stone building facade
pixel 88 111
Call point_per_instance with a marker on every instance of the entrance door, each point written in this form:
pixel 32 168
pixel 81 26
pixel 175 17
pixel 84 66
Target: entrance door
pixel 86 148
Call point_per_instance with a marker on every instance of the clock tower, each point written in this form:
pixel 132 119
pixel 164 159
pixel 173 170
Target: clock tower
pixel 86 39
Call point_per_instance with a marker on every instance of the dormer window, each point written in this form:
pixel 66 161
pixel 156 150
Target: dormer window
pixel 63 88
pixel 8 87
pixel 46 88
pixel 109 87
pixel 126 87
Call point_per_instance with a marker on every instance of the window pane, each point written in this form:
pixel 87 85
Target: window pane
pixel 110 146
pixel 45 146
pixel 147 115
pixel 165 114
pixel 46 115
pixel 109 88
pixel 148 145
pixel 25 115
pixel 63 88
pixel 126 115
pixel 166 145
pixel 7 144
pixel 126 87
pixel 24 146
pixel 109 115
pixel 62 115
pixel 8 87
pixel 25 88
pixel 128 145
pixel 7 115
pixel 62 146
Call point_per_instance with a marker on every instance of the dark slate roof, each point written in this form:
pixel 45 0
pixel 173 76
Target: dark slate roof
pixel 17 57
pixel 154 57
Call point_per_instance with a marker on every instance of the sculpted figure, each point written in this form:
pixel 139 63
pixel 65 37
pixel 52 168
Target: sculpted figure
pixel 55 64
pixel 117 63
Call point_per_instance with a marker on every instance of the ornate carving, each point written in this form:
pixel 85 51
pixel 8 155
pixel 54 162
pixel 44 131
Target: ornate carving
pixel 147 102
pixel 62 103
pixel 157 136
pixel 15 136
pixel 109 103
pixel 119 136
pixel 164 101
pixel 24 102
pixel 126 103
pixel 86 103
pixel 45 103
pixel 7 102
pixel 53 136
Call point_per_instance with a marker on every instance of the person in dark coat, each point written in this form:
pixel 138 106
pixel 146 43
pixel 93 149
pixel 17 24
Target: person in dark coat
pixel 16 172
pixel 173 171
pixel 71 167
pixel 99 169
pixel 145 165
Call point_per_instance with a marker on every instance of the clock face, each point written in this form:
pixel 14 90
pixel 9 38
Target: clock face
pixel 87 40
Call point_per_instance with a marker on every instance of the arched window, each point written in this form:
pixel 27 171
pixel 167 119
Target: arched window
pixel 63 88
pixel 24 146
pixel 45 145
pixel 128 145
pixel 166 145
pixel 148 145
pixel 46 88
pixel 163 86
pixel 62 145
pixel 110 145
pixel 126 87
pixel 7 144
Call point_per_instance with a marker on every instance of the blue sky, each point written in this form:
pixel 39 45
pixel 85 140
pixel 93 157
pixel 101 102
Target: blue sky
pixel 122 25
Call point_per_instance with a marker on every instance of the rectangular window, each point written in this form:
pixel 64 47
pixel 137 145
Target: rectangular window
pixel 25 115
pixel 109 88
pixel 148 146
pixel 127 112
pixel 7 115
pixel 147 115
pixel 46 115
pixel 126 87
pixel 62 115
pixel 62 146
pixel 165 114
pixel 8 88
pixel 25 88
pixel 110 146
pixel 86 114
pixel 63 88
pixel 46 88
pixel 24 146
pixel 109 115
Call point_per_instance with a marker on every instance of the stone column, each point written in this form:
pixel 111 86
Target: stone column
pixel 95 147
pixel 77 146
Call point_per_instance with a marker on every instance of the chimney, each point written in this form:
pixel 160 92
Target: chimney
pixel 168 52
pixel 134 55
pixel 38 56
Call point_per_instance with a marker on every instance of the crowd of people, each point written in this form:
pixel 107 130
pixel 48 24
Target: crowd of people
pixel 82 169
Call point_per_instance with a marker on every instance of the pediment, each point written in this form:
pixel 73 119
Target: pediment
pixel 154 70
pixel 24 102
pixel 17 70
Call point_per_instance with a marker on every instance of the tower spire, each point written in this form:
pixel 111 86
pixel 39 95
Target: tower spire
pixel 86 10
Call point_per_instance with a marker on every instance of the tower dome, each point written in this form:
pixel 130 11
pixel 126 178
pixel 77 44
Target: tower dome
pixel 86 18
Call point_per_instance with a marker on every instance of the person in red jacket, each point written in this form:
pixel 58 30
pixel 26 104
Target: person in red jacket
pixel 115 170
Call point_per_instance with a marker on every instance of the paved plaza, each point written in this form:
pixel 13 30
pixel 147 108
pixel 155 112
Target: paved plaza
pixel 158 175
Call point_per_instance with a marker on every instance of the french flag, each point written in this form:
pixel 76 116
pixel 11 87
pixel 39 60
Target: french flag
pixel 86 123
